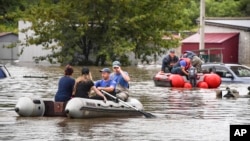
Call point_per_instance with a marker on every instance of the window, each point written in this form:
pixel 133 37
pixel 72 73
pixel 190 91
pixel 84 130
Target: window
pixel 208 69
pixel 222 71
pixel 241 71
pixel 2 74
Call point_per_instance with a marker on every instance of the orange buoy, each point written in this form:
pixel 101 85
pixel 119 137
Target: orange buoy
pixel 187 85
pixel 202 84
pixel 176 80
pixel 213 80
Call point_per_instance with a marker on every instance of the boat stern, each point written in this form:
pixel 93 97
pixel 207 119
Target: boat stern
pixel 28 107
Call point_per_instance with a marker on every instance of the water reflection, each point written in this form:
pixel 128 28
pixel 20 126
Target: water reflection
pixel 182 114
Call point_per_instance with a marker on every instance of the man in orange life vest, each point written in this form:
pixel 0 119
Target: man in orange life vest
pixel 182 66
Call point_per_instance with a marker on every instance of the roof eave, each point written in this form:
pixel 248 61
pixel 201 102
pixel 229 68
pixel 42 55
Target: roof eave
pixel 7 33
pixel 228 26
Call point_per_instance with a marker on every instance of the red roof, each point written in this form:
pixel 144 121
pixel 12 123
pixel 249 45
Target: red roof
pixel 210 37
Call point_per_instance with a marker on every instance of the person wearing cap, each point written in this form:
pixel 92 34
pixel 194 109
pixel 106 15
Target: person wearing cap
pixel 169 61
pixel 84 85
pixel 106 84
pixel 65 86
pixel 122 81
pixel 195 60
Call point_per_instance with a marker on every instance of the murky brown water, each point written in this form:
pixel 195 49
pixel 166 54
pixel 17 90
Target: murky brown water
pixel 182 114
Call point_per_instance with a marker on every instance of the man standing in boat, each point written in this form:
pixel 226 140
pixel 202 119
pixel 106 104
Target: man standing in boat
pixel 106 84
pixel 182 67
pixel 169 61
pixel 122 81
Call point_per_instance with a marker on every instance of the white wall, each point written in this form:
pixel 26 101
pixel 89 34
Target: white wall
pixel 244 41
pixel 8 53
pixel 31 50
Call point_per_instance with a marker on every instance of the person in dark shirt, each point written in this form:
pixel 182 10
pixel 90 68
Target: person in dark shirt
pixel 169 61
pixel 65 86
pixel 84 85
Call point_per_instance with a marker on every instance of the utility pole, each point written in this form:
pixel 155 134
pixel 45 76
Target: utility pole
pixel 202 24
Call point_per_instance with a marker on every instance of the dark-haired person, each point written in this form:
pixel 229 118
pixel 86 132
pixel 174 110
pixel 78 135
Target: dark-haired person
pixel 65 86
pixel 84 85
pixel 168 62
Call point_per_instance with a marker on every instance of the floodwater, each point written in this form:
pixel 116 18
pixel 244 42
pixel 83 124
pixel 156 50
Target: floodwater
pixel 194 115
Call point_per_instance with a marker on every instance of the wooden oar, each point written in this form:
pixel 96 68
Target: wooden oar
pixel 146 114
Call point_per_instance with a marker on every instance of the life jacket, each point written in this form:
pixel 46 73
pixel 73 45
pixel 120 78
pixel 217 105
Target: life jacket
pixel 188 61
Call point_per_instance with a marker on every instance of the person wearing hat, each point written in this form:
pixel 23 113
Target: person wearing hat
pixel 106 84
pixel 169 61
pixel 84 85
pixel 65 86
pixel 195 60
pixel 122 81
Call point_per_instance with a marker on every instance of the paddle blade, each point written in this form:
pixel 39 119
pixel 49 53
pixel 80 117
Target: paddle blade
pixel 147 115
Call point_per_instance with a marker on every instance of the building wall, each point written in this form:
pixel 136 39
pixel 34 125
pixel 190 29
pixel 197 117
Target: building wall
pixel 189 46
pixel 8 53
pixel 195 46
pixel 31 51
pixel 244 41
pixel 229 49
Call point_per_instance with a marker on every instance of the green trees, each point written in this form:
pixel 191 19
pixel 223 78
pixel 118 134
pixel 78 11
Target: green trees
pixel 244 7
pixel 108 28
pixel 8 10
pixel 223 8
pixel 217 8
pixel 11 12
pixel 220 8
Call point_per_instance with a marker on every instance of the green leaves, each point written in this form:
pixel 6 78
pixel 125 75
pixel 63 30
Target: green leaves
pixel 223 8
pixel 109 29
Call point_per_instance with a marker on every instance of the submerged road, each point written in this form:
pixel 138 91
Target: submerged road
pixel 181 114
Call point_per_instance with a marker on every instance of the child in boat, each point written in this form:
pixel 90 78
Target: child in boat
pixel 65 86
pixel 84 85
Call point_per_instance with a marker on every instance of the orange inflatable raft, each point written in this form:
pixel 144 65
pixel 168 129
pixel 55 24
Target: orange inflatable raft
pixel 176 80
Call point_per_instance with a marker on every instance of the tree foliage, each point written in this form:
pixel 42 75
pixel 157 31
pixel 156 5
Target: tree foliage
pixel 244 7
pixel 223 8
pixel 7 14
pixel 10 12
pixel 108 28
